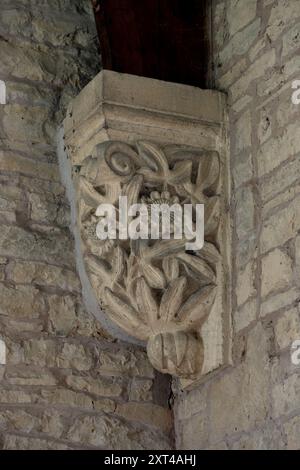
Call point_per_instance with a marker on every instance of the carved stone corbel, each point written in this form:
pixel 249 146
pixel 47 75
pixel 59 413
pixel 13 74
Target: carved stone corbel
pixel 160 150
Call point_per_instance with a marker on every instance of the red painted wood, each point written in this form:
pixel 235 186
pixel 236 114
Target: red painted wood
pixel 163 39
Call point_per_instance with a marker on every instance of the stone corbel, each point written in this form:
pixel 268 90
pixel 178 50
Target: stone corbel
pixel 155 142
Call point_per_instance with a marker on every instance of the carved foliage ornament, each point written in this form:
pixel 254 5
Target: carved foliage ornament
pixel 153 289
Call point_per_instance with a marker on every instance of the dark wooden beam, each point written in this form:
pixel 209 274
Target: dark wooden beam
pixel 164 39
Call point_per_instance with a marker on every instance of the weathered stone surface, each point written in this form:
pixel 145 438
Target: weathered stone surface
pixel 243 169
pixel 287 328
pixel 12 442
pixel 240 42
pixel 110 433
pixel 62 314
pixel 239 14
pixel 40 352
pixel 243 132
pixel 277 272
pixel 101 386
pixel 292 431
pixel 297 258
pixel 286 396
pixel 246 283
pixel 244 211
pixel 282 14
pixel 192 403
pixel 146 413
pixel 279 301
pixel 74 356
pixel 281 227
pixel 132 363
pixel 53 247
pixel 276 150
pixel 268 438
pixel 194 433
pixel 21 302
pixel 230 414
pixel 19 375
pixel 244 316
pixel 257 69
pixel 16 163
pixel 140 390
pixel 41 274
pixel 281 179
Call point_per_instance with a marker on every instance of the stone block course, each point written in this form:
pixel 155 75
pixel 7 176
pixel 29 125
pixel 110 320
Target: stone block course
pixel 254 404
pixel 61 364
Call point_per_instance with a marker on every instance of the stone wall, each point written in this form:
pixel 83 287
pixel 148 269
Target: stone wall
pixel 66 383
pixel 256 402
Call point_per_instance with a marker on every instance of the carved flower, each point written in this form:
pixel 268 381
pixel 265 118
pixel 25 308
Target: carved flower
pixel 163 198
pixel 97 246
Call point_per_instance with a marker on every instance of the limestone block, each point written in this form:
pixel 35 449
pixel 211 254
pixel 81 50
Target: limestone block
pixel 102 386
pixel 74 356
pixel 14 442
pixel 21 302
pixel 279 301
pixel 277 272
pixel 268 438
pixel 133 363
pixel 56 248
pixel 244 211
pixel 281 227
pixel 287 328
pixel 240 43
pixel 140 390
pixel 243 132
pixel 146 413
pixel 41 274
pixel 242 169
pixel 292 431
pixel 62 315
pixel 230 413
pixel 246 283
pixel 239 14
pixel 286 396
pixel 244 316
pixel 256 70
pixel 108 432
pixel 276 150
pixel 282 14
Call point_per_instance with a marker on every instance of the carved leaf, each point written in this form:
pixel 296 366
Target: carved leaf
pixel 194 311
pixel 212 215
pixel 171 268
pixel 208 171
pixel 164 248
pixel 154 276
pixel 118 264
pixel 90 196
pixel 198 267
pixel 209 253
pixel 125 316
pixel 132 189
pixel 181 172
pixel 145 301
pixel 172 299
pixel 154 157
pixel 100 268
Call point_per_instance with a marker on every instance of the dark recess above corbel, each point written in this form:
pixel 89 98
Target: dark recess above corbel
pixel 164 39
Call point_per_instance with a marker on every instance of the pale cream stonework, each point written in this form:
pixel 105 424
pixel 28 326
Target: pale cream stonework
pixel 144 137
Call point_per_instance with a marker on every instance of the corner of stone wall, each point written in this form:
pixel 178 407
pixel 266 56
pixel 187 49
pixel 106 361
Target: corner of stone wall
pixel 254 404
pixel 64 382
